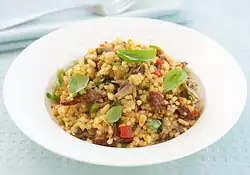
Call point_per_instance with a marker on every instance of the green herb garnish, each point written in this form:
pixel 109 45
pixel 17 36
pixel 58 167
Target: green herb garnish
pixel 94 108
pixel 174 79
pixel 77 83
pixel 105 79
pixel 154 124
pixel 157 48
pixel 144 98
pixel 114 114
pixel 124 145
pixel 137 55
pixel 60 74
pixel 146 86
pixel 52 97
pixel 196 118
pixel 134 127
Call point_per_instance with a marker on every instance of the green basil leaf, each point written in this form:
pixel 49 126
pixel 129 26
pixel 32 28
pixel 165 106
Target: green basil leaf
pixel 52 97
pixel 174 79
pixel 137 55
pixel 154 124
pixel 77 83
pixel 157 48
pixel 60 74
pixel 94 108
pixel 114 114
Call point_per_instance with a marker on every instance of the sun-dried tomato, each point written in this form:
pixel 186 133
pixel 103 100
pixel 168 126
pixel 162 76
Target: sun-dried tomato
pixel 156 101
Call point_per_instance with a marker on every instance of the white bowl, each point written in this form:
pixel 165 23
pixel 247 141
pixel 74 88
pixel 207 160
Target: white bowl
pixel 29 76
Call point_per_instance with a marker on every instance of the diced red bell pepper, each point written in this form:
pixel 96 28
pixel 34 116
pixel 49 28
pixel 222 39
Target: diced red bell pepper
pixel 157 73
pixel 101 45
pixel 126 132
pixel 159 62
pixel 195 113
pixel 94 141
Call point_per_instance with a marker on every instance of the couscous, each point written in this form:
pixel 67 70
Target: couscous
pixel 125 95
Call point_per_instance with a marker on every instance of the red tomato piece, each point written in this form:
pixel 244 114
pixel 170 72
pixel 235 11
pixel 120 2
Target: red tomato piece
pixel 157 73
pixel 195 113
pixel 159 62
pixel 126 132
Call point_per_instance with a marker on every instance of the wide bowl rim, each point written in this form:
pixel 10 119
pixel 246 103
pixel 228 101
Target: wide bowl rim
pixel 204 145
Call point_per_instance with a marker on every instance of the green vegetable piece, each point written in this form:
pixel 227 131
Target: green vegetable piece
pixel 82 92
pixel 77 83
pixel 94 108
pixel 157 48
pixel 134 127
pixel 55 88
pixel 124 145
pixel 146 86
pixel 137 55
pixel 154 124
pixel 174 79
pixel 114 114
pixel 144 98
pixel 105 79
pixel 52 97
pixel 60 74
pixel 196 118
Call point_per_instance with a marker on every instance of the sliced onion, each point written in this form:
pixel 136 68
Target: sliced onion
pixel 127 89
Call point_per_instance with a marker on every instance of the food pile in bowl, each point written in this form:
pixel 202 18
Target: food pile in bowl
pixel 123 94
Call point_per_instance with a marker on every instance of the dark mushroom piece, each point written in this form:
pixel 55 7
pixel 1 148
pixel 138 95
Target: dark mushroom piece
pixel 101 50
pixel 84 134
pixel 183 111
pixel 90 97
pixel 140 69
pixel 102 142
